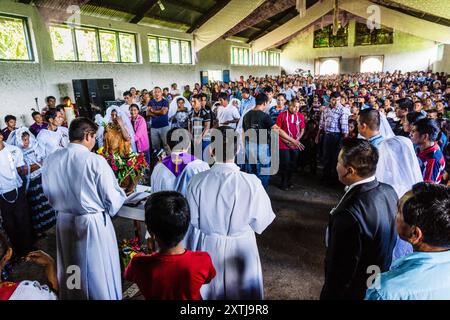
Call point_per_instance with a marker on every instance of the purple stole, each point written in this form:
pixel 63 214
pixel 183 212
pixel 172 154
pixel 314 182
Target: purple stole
pixel 176 162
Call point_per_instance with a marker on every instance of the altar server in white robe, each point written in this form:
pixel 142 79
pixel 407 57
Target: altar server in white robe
pixel 176 170
pixel 55 137
pixel 227 208
pixel 86 198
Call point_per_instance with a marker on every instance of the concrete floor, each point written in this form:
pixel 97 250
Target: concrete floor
pixel 292 248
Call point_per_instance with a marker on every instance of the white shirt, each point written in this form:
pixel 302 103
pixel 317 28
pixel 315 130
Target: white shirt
pixel 348 188
pixel 11 157
pixel 53 140
pixel 226 114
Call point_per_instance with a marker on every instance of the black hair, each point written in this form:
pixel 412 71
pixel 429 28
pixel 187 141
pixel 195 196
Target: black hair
pixel 413 117
pixel 49 97
pixel 361 155
pixel 405 104
pixel 261 99
pixel 371 118
pixel 281 95
pixel 224 96
pixel 268 89
pixel 337 95
pixel 10 117
pixel 51 114
pixel 197 96
pixel 66 98
pixel 133 105
pixel 60 107
pixel 80 127
pixel 177 136
pixel 245 90
pixel 429 209
pixel 178 99
pixel 167 216
pixel 228 146
pixel 127 93
pixel 35 113
pixel 428 126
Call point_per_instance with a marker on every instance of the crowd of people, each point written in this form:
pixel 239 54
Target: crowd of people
pixel 211 152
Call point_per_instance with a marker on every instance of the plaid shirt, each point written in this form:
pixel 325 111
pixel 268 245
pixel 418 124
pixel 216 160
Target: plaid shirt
pixel 335 119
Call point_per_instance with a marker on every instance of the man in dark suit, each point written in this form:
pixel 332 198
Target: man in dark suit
pixel 361 232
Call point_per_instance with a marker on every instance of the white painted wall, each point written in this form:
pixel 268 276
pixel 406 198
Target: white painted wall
pixel 443 61
pixel 407 53
pixel 21 82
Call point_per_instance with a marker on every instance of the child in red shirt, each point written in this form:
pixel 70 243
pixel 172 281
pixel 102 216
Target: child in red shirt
pixel 173 273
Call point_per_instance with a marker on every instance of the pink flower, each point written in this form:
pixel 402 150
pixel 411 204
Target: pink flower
pixel 114 167
pixel 129 163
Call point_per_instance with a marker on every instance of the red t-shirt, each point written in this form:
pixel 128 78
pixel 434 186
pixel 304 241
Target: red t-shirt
pixel 171 277
pixel 292 124
pixel 7 289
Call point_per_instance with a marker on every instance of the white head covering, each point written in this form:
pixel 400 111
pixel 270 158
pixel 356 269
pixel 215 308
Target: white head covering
pixel 385 127
pixel 173 107
pixel 126 121
pixel 215 106
pixel 238 103
pixel 398 165
pixel 98 119
pixel 15 139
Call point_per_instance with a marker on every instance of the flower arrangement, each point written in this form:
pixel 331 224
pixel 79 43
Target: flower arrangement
pixel 128 249
pixel 128 168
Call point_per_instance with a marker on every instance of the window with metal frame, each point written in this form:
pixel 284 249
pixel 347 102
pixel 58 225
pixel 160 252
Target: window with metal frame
pixel 266 58
pixel 240 56
pixel 169 50
pixel 15 44
pixel 90 44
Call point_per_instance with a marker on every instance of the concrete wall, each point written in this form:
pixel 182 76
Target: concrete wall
pixel 22 82
pixel 443 60
pixel 407 53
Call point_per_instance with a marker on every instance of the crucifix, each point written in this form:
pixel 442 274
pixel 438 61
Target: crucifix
pixel 177 161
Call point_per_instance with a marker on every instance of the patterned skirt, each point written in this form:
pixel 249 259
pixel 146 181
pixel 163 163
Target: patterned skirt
pixel 43 217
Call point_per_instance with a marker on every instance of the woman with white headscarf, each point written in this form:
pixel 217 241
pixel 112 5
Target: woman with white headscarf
pixel 398 167
pixel 236 103
pixel 43 217
pixel 101 130
pixel 116 121
pixel 385 127
pixel 178 114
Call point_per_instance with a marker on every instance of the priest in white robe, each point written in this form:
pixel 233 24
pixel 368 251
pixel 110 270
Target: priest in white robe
pixel 86 197
pixel 227 208
pixel 176 170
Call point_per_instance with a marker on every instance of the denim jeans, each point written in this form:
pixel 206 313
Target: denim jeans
pixel 257 161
